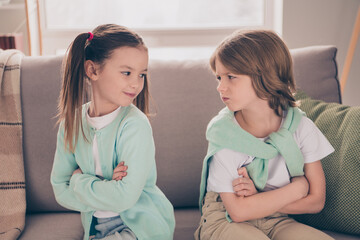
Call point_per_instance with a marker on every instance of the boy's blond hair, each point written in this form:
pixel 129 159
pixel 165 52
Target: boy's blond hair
pixel 262 55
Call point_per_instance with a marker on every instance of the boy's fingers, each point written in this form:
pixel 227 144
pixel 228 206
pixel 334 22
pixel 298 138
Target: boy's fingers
pixel 241 193
pixel 241 187
pixel 240 180
pixel 242 171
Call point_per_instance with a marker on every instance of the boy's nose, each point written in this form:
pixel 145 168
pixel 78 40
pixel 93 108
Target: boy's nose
pixel 221 87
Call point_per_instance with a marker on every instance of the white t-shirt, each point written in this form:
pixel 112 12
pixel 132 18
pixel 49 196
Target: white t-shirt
pixel 224 164
pixel 99 123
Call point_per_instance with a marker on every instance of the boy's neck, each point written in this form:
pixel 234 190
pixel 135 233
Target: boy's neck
pixel 259 123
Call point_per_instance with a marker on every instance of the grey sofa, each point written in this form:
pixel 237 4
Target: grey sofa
pixel 184 99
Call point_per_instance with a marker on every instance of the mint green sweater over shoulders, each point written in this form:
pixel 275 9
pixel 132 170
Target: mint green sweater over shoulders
pixel 140 203
pixel 222 132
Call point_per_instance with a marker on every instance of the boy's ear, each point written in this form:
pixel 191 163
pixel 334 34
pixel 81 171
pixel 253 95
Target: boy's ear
pixel 91 70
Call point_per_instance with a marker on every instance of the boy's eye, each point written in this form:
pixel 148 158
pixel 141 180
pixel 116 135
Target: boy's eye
pixel 142 75
pixel 126 73
pixel 218 78
pixel 230 77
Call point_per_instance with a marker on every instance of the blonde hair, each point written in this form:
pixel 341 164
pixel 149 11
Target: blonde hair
pixel 74 93
pixel 263 56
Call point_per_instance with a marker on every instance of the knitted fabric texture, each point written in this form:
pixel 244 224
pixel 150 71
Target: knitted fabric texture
pixel 223 132
pixel 340 124
pixel 12 178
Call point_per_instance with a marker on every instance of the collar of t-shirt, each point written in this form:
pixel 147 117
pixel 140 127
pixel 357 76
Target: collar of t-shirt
pixel 102 121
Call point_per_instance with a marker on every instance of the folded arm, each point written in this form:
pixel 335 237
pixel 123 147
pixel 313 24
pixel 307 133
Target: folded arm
pixel 136 147
pixel 314 202
pixel 264 204
pixel 63 168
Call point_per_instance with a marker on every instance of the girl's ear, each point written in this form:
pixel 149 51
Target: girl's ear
pixel 91 70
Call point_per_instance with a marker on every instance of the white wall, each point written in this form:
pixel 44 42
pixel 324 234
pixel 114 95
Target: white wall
pixel 305 23
pixel 325 22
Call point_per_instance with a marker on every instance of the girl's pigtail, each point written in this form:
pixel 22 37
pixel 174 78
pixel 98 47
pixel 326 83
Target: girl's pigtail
pixel 73 91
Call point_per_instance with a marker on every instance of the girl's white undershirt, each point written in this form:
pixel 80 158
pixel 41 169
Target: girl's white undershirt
pixel 99 123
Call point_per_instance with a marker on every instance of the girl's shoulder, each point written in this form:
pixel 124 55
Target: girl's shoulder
pixel 133 114
pixel 132 119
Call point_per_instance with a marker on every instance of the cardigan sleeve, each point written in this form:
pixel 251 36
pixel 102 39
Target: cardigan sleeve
pixel 63 167
pixel 136 148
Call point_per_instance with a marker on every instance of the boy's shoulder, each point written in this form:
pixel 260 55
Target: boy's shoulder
pixel 224 115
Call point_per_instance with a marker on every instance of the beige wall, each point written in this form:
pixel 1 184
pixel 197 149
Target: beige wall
pixel 319 22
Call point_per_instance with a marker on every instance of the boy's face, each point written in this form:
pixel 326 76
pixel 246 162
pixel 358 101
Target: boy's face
pixel 236 90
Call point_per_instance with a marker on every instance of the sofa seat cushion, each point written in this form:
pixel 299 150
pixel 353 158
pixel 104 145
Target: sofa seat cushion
pixel 187 220
pixel 47 226
pixel 340 124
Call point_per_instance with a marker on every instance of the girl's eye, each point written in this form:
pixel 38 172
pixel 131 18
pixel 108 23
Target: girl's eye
pixel 231 77
pixel 142 75
pixel 218 78
pixel 126 73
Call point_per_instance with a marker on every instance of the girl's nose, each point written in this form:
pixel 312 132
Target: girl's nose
pixel 135 82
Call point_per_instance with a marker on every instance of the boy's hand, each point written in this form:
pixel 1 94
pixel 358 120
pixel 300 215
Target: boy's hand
pixel 243 186
pixel 119 171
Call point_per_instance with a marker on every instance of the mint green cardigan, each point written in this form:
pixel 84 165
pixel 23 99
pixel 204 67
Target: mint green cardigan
pixel 140 203
pixel 222 132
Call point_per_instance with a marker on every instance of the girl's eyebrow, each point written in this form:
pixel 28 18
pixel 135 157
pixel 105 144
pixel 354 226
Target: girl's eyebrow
pixel 130 68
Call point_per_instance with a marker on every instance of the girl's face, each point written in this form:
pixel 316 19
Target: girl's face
pixel 120 79
pixel 236 90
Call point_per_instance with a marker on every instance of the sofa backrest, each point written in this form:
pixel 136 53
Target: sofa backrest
pixel 184 99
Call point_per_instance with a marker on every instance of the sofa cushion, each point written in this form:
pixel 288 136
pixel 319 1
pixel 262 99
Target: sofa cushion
pixel 187 221
pixel 340 124
pixel 47 226
pixel 40 86
pixel 315 72
pixel 186 100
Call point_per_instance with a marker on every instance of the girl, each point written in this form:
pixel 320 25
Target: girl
pixel 95 139
pixel 260 146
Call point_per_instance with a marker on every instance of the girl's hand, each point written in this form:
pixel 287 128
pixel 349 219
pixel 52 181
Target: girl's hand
pixel 243 186
pixel 77 171
pixel 119 171
pixel 302 184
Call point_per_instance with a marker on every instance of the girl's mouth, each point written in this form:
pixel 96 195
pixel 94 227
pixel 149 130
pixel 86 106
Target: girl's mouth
pixel 132 95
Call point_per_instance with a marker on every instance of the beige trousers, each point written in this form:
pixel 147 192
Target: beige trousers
pixel 278 226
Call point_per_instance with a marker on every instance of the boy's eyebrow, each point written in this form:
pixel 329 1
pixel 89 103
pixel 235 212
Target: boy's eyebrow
pixel 226 73
pixel 128 67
